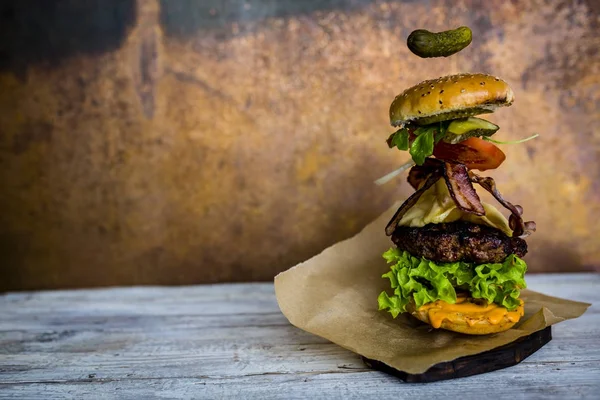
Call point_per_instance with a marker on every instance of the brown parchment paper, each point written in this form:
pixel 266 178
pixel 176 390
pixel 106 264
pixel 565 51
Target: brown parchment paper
pixel 334 295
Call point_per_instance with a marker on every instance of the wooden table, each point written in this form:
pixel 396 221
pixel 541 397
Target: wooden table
pixel 231 341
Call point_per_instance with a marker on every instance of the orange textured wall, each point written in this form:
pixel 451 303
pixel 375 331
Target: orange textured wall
pixel 172 142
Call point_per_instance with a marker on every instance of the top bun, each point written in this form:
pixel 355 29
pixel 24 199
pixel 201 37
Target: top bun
pixel 450 97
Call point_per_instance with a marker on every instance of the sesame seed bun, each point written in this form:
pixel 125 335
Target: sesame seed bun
pixel 468 323
pixel 450 97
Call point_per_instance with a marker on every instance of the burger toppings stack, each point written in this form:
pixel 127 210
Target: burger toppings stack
pixel 456 263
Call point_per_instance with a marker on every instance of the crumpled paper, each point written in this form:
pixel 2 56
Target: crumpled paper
pixel 334 295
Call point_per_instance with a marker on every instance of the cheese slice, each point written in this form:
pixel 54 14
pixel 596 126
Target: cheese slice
pixel 436 206
pixel 472 313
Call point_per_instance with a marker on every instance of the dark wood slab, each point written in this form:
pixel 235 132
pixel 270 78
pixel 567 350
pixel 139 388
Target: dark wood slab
pixel 502 357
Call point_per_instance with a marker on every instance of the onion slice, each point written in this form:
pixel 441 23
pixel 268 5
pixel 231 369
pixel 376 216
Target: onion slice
pixel 388 177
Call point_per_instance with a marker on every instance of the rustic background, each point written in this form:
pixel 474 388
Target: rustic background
pixel 181 141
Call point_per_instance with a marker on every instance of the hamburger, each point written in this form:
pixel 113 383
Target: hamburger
pixel 456 263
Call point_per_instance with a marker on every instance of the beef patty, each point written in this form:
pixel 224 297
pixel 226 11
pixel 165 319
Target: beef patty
pixel 458 241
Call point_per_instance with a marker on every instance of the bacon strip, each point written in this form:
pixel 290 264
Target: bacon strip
pixel 461 189
pixel 459 182
pixel 411 201
pixel 520 228
pixel 419 173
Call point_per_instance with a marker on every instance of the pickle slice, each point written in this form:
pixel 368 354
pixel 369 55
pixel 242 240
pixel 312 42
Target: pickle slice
pixel 464 128
pixel 426 44
pixel 451 115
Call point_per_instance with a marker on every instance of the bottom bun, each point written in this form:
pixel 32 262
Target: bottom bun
pixel 467 316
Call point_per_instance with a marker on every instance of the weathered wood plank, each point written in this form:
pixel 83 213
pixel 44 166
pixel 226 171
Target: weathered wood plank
pixel 523 381
pixel 160 360
pixel 231 341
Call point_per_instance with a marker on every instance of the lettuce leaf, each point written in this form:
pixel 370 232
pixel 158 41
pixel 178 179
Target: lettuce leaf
pixel 399 139
pixel 420 144
pixel 425 281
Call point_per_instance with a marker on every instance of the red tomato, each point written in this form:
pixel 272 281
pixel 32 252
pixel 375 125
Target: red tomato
pixel 475 153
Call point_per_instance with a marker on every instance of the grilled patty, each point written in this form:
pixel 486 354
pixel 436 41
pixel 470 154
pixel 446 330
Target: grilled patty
pixel 458 241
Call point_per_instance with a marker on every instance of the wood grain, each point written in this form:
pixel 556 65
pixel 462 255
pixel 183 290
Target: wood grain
pixel 462 367
pixel 231 341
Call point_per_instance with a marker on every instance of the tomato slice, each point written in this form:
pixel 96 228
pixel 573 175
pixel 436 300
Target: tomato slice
pixel 475 153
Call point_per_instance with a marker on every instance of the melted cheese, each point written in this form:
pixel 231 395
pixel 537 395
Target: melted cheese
pixel 472 313
pixel 436 206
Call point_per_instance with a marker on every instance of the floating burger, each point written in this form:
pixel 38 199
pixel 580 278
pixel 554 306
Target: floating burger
pixel 457 261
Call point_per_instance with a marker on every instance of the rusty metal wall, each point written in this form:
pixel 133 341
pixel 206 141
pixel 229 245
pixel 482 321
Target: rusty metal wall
pixel 173 142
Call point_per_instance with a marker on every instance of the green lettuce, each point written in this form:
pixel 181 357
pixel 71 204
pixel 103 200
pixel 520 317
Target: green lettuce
pixel 425 281
pixel 421 142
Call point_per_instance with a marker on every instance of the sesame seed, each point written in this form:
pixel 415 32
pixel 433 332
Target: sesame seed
pixel 462 90
pixel 482 83
pixel 428 92
pixel 419 111
pixel 441 102
pixel 441 91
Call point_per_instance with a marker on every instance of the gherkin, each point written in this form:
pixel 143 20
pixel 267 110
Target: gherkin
pixel 426 44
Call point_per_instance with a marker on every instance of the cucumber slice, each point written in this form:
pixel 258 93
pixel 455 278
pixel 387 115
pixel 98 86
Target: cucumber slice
pixel 462 129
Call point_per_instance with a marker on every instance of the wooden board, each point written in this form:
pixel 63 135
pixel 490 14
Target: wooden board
pixel 492 360
pixel 232 342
